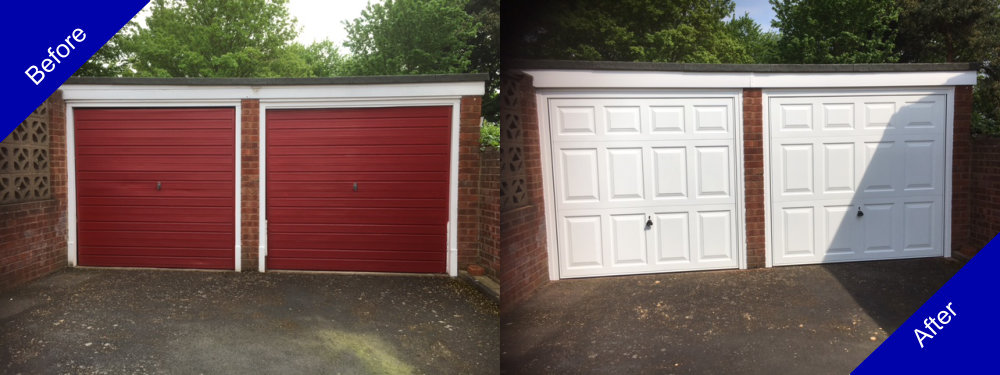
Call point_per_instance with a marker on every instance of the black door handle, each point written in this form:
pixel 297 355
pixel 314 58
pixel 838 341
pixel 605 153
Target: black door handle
pixel 860 213
pixel 649 222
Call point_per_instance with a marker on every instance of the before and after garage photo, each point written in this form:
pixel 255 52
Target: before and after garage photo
pixel 487 186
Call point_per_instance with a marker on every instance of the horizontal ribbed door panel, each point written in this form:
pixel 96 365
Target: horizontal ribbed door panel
pixel 395 221
pixel 124 220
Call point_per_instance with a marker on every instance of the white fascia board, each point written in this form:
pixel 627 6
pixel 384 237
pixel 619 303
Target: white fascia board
pixel 73 92
pixel 570 79
pixel 558 79
pixel 879 79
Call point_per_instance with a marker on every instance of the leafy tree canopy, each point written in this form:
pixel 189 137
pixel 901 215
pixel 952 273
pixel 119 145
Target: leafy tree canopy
pixel 949 30
pixel 212 38
pixel 957 30
pixel 411 37
pixel 627 30
pixel 836 32
pixel 428 37
pixel 761 46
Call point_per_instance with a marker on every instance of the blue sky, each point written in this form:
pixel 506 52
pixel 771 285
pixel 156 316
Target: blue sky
pixel 760 11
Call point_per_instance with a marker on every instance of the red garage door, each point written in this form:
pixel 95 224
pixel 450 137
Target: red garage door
pixel 358 189
pixel 155 187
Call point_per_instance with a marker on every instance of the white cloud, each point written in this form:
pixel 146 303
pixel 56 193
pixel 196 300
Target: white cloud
pixel 322 19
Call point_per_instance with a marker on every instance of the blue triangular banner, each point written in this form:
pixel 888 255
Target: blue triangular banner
pixel 45 43
pixel 953 332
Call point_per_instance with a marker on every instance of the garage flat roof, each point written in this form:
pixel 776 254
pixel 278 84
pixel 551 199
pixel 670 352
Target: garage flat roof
pixel 549 74
pixel 735 68
pixel 146 90
pixel 364 80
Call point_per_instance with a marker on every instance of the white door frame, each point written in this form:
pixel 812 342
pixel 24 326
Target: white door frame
pixel 450 101
pixel 542 97
pixel 948 91
pixel 71 208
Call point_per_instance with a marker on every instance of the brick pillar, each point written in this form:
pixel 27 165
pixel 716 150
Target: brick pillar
pixel 468 181
pixel 753 169
pixel 961 172
pixel 250 175
pixel 985 197
pixel 523 247
pixel 59 181
pixel 489 213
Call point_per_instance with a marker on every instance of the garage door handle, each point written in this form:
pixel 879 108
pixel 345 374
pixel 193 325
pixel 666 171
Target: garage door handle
pixel 355 186
pixel 860 213
pixel 159 185
pixel 649 222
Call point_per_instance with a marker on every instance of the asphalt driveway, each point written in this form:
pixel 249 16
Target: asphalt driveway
pixel 138 321
pixel 785 320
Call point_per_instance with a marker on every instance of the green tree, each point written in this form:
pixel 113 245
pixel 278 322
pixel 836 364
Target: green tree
pixel 761 46
pixel 411 37
pixel 485 55
pixel 212 38
pixel 957 31
pixel 627 30
pixel 322 58
pixel 948 30
pixel 836 32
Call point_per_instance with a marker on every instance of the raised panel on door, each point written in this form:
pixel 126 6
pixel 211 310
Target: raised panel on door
pixel 583 237
pixel 796 169
pixel 667 119
pixel 671 237
pixel 628 239
pixel 919 166
pixel 918 226
pixel 670 172
pixel 714 236
pixel 879 233
pixel 713 171
pixel 797 238
pixel 625 169
pixel 879 115
pixel 838 168
pixel 839 230
pixel 838 116
pixel 622 119
pixel 576 121
pixel 579 175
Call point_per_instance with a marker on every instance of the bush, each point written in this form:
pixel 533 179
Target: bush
pixel 986 106
pixel 489 136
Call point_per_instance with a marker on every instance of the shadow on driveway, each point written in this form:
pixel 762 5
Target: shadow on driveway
pixel 784 320
pixel 137 321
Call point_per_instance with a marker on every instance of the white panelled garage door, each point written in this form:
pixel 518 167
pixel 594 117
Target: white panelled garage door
pixel 856 177
pixel 644 185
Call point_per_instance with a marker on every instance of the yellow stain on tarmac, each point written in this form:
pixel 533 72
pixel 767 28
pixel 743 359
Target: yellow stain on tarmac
pixel 376 355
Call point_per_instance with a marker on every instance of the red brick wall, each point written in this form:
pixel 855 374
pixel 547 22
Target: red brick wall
pixel 961 177
pixel 489 213
pixel 250 181
pixel 522 226
pixel 468 181
pixel 985 212
pixel 33 234
pixel 753 169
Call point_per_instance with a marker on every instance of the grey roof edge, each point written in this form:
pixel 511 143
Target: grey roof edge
pixel 520 64
pixel 360 80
